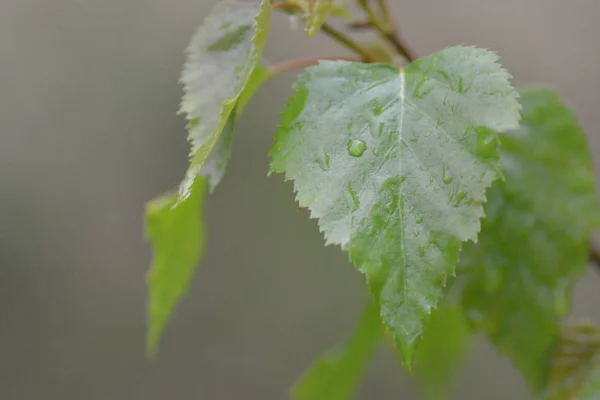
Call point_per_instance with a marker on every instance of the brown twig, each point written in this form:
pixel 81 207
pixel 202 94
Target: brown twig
pixel 387 29
pixel 595 255
pixel 348 42
pixel 360 25
pixel 340 37
pixel 286 5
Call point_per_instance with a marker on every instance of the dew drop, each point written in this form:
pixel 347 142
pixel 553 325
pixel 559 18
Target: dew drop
pixel 487 142
pixel 356 147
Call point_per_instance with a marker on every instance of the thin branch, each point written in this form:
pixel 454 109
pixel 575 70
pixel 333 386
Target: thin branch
pixel 303 63
pixel 285 5
pixel 348 42
pixel 340 37
pixel 387 29
pixel 401 47
pixel 594 255
pixel 387 14
pixel 360 25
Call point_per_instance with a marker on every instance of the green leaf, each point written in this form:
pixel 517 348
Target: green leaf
pixel 337 374
pixel 221 58
pixel 178 238
pixel 221 74
pixel 217 161
pixel 395 164
pixel 316 13
pixel 534 240
pixel 443 347
pixel 575 365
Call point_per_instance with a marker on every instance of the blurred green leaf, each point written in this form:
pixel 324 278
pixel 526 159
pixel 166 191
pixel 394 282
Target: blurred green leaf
pixel 336 375
pixel 316 13
pixel 221 59
pixel 534 239
pixel 395 164
pixel 575 365
pixel 178 238
pixel 440 352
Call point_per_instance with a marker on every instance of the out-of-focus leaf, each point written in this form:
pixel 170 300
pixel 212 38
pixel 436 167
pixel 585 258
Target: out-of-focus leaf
pixel 575 365
pixel 534 239
pixel 336 375
pixel 440 352
pixel 177 236
pixel 316 13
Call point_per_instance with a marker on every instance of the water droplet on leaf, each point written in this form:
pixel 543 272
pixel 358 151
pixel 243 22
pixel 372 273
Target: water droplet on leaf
pixel 356 147
pixel 487 141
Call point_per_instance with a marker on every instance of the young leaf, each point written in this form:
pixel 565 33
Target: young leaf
pixel 395 164
pixel 215 165
pixel 575 365
pixel 534 240
pixel 221 74
pixel 177 236
pixel 316 13
pixel 441 350
pixel 221 58
pixel 337 374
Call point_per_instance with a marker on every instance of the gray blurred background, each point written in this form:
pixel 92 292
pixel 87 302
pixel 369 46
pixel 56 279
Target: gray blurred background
pixel 88 96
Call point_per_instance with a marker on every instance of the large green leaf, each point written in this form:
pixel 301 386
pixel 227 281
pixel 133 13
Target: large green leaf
pixel 395 164
pixel 177 236
pixel 534 240
pixel 441 351
pixel 221 58
pixel 216 164
pixel 336 375
pixel 575 365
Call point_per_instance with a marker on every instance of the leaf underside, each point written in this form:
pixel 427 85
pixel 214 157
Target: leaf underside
pixel 575 365
pixel 216 163
pixel 221 58
pixel 534 239
pixel 395 164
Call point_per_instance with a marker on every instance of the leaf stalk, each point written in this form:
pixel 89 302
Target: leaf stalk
pixel 386 28
pixel 299 63
pixel 340 37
